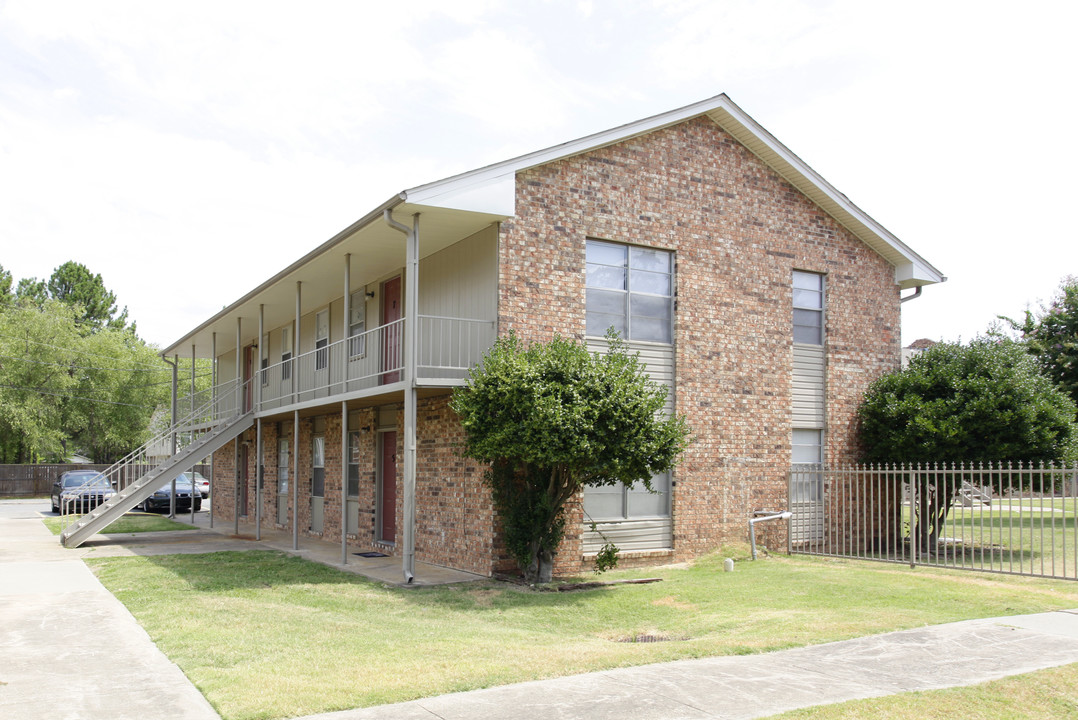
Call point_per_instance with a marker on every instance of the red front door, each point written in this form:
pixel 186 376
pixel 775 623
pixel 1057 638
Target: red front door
pixel 391 334
pixel 387 506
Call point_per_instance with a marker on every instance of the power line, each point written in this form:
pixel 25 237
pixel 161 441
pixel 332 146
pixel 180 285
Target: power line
pixel 74 397
pixel 77 352
pixel 81 367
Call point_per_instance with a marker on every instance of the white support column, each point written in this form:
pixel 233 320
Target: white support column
pixel 193 486
pixel 258 431
pixel 346 321
pixel 175 418
pixel 344 483
pixel 295 479
pixel 411 309
pixel 213 412
pixel 258 479
pixel 236 442
pixel 411 319
pixel 295 346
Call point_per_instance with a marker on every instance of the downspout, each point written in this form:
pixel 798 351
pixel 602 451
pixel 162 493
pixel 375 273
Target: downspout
pixel 411 304
pixel 915 295
pixel 344 406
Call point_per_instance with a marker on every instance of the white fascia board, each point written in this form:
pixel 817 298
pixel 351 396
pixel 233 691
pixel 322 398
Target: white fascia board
pixel 500 177
pixel 495 195
pixel 779 157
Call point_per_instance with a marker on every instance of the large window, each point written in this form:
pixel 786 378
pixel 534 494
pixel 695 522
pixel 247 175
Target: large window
pixel 807 450
pixel 808 308
pixel 617 502
pixel 630 289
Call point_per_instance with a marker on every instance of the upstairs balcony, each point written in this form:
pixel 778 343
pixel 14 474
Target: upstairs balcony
pixel 364 365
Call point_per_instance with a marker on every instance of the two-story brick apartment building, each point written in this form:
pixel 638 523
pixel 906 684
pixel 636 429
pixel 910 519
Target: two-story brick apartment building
pixel 761 295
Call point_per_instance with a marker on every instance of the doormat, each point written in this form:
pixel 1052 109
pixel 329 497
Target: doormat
pixel 371 554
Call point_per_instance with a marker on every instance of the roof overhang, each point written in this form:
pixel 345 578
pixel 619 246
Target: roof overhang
pixel 491 187
pixel 457 206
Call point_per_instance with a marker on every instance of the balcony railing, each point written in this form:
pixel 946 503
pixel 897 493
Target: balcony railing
pixel 447 349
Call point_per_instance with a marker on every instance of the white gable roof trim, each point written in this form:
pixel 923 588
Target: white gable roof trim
pixel 492 188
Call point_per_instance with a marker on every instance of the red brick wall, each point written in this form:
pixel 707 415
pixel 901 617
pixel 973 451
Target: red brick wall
pixel 738 230
pixel 454 510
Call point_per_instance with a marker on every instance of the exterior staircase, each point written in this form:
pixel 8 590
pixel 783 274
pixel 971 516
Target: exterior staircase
pixel 214 431
pixel 969 496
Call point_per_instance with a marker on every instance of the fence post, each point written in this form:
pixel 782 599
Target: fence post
pixel 913 509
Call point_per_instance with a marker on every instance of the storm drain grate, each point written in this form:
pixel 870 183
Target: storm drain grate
pixel 647 638
pixel 371 554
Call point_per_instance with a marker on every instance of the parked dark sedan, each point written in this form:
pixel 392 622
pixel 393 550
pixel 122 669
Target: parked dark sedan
pixel 160 500
pixel 80 491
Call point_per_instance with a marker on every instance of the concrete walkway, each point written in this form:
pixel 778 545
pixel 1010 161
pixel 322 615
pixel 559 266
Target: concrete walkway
pixel 53 665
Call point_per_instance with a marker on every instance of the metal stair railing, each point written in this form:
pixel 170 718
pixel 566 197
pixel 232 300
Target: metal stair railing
pixel 140 473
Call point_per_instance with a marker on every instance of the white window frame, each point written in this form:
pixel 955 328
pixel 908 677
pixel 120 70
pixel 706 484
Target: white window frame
pixel 809 291
pixel 286 352
pixel 627 290
pixel 357 326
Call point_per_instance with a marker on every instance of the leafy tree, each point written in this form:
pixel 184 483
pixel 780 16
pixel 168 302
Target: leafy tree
pixel 6 296
pixel 64 388
pixel 32 291
pixel 977 403
pixel 552 418
pixel 35 358
pixel 1052 337
pixel 74 284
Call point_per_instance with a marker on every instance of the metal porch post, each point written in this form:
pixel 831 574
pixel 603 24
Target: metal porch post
pixel 236 445
pixel 411 318
pixel 213 405
pixel 344 406
pixel 258 429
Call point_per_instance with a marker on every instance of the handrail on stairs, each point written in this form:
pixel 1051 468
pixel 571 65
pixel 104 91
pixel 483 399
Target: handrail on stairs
pixel 208 419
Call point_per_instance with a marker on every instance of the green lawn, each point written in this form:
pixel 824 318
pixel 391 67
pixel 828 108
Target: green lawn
pixel 129 523
pixel 1043 695
pixel 331 640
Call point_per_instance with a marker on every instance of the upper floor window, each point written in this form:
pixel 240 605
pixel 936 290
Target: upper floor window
pixel 630 289
pixel 357 325
pixel 808 308
pixel 286 353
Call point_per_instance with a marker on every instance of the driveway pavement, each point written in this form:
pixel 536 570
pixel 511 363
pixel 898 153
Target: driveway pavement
pixel 69 649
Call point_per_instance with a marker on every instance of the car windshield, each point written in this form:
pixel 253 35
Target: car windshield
pixel 88 479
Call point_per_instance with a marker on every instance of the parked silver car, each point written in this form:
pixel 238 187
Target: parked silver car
pixel 201 483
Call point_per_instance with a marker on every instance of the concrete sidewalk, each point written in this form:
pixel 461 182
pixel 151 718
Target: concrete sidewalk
pixel 755 686
pixel 53 663
pixel 68 647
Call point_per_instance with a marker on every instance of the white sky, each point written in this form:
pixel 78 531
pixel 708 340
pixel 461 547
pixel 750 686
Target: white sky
pixel 187 151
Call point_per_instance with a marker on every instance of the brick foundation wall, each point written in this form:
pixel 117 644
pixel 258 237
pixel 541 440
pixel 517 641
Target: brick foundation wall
pixel 738 230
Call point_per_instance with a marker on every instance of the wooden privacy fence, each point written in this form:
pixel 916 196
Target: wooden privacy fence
pixel 37 480
pixel 1019 519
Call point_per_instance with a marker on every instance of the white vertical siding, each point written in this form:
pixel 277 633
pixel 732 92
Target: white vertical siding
pixel 462 280
pixel 808 386
pixel 653 533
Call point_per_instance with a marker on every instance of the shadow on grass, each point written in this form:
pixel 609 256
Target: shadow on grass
pixel 241 571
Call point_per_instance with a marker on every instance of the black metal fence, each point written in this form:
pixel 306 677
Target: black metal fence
pixel 1019 519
